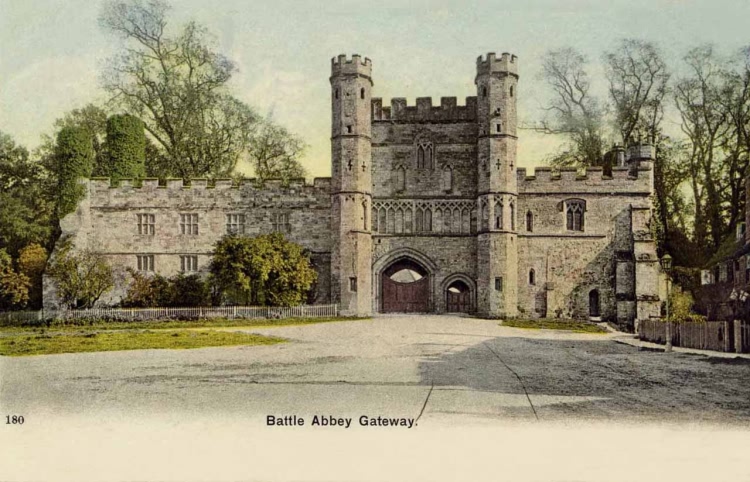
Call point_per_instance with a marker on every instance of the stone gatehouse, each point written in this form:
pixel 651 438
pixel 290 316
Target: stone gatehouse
pixel 425 211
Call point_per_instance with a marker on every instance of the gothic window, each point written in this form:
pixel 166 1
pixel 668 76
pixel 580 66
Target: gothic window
pixel 447 179
pixel 399 221
pixel 448 221
pixel 456 220
pixel 499 215
pixel 381 221
pixel 364 215
pixel 391 218
pixel 532 277
pixel 529 221
pixel 418 221
pixel 574 210
pixel 408 220
pixel 428 220
pixel 465 221
pixel 485 216
pixel 424 155
pixel 512 216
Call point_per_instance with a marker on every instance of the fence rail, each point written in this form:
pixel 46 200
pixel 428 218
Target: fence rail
pixel 162 313
pixel 726 336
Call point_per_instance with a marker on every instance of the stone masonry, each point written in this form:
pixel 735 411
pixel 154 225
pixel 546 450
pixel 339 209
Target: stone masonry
pixel 427 192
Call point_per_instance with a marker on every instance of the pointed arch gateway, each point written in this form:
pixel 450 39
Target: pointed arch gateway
pixel 404 282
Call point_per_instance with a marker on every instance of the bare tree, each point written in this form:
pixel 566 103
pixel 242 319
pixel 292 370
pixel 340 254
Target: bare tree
pixel 705 123
pixel 638 83
pixel 573 111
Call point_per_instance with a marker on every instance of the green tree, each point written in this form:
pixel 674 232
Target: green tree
pixel 74 156
pixel 147 291
pixel 274 153
pixel 177 84
pixel 32 260
pixel 126 147
pixel 26 207
pixel 262 270
pixel 82 277
pixel 14 287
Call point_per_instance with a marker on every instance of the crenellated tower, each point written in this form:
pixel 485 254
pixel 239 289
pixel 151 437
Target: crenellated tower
pixel 497 186
pixel 351 184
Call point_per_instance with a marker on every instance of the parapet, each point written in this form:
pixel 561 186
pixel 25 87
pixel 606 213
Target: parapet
pixel 640 152
pixel 591 180
pixel 424 111
pixel 355 66
pixel 507 63
pixel 320 185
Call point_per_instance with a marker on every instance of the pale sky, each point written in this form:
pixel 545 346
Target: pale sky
pixel 51 51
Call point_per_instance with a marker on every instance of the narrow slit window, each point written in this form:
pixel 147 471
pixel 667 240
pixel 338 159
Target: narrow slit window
pixel 532 277
pixel 362 93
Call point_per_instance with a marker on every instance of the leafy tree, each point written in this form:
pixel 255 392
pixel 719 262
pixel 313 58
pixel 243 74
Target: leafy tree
pixel 274 153
pixel 177 84
pixel 573 111
pixel 190 290
pixel 126 147
pixel 82 277
pixel 25 198
pixel 14 287
pixel 147 291
pixel 262 270
pixel 74 156
pixel 31 262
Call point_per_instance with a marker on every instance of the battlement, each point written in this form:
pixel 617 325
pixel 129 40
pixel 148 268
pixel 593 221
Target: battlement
pixel 320 185
pixel 507 63
pixel 356 66
pixel 424 111
pixel 546 180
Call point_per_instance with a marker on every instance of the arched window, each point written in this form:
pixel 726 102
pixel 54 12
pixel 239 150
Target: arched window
pixel 574 214
pixel 594 307
pixel 437 226
pixel 427 220
pixel 400 179
pixel 485 216
pixel 447 179
pixel 499 215
pixel 382 227
pixel 447 221
pixel 530 221
pixel 428 156
pixel 418 223
pixel 364 215
pixel 512 216
pixel 424 155
pixel 532 277
pixel 362 93
pixel 408 221
pixel 399 221
pixel 391 218
pixel 420 157
pixel 511 91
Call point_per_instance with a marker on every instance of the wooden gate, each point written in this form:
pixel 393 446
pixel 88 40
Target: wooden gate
pixel 458 298
pixel 411 297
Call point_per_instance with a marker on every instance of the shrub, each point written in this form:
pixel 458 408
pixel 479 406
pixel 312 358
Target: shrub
pixel 154 291
pixel 82 277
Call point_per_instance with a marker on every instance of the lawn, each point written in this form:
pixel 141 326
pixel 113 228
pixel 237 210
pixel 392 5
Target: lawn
pixel 58 326
pixel 45 344
pixel 548 324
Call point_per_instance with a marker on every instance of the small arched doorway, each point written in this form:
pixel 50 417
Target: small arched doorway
pixel 594 307
pixel 458 298
pixel 405 288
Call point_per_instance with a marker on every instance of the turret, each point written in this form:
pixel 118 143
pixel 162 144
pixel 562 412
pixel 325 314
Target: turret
pixel 351 184
pixel 497 184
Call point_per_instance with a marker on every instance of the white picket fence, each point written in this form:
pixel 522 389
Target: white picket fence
pixel 162 313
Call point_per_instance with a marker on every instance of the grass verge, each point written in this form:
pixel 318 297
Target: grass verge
pixel 547 324
pixel 97 325
pixel 21 345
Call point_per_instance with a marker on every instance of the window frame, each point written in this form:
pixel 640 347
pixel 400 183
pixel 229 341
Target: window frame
pixel 146 223
pixel 189 224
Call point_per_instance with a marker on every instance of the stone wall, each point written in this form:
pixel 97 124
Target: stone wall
pixel 107 222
